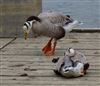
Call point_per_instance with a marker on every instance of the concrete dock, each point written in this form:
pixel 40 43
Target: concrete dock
pixel 22 62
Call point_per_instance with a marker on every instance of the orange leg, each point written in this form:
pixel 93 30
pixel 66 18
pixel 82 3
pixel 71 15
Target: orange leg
pixel 48 47
pixel 49 53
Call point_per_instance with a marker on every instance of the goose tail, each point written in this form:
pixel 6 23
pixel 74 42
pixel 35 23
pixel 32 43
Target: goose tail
pixel 69 26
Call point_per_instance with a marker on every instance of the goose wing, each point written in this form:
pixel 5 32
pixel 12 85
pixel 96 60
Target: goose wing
pixel 54 17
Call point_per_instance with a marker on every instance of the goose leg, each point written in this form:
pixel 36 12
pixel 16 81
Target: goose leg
pixel 49 53
pixel 48 47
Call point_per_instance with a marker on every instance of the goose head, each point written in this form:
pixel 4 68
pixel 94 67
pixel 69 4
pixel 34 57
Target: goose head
pixel 28 25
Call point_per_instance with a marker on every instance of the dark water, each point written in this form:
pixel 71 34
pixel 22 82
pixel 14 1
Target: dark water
pixel 87 11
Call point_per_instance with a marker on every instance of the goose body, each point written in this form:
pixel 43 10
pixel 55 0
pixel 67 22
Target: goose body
pixel 46 28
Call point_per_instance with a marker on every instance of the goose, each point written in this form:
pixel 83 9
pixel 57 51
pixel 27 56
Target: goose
pixel 49 24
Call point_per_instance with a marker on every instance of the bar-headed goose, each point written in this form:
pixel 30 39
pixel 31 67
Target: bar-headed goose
pixel 50 24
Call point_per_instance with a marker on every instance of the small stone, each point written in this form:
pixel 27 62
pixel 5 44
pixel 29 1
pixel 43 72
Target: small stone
pixel 14 79
pixel 75 42
pixel 24 74
pixel 28 69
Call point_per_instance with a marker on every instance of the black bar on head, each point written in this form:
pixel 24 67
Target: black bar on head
pixel 26 25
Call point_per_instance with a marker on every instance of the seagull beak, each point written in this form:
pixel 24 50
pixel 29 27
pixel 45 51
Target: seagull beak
pixel 25 35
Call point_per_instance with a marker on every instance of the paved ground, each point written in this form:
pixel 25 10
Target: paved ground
pixel 23 64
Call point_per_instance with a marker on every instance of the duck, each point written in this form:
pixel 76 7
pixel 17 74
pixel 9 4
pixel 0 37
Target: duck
pixel 49 24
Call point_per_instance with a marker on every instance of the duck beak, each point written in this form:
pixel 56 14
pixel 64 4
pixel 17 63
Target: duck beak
pixel 25 35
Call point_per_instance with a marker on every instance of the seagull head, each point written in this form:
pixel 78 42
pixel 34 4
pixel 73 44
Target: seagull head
pixel 69 52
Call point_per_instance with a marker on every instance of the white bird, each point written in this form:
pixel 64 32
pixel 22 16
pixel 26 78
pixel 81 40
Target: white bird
pixel 49 24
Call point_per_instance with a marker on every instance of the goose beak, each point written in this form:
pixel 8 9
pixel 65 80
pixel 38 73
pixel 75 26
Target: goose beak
pixel 25 35
pixel 26 32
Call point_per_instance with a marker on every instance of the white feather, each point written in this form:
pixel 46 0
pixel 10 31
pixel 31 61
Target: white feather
pixel 70 26
pixel 24 27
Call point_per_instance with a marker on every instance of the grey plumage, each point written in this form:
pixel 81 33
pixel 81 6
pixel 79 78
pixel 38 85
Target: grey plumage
pixel 54 17
pixel 46 28
pixel 64 62
pixel 71 66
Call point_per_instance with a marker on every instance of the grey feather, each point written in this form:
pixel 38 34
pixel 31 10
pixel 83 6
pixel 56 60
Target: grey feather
pixel 46 28
pixel 54 17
